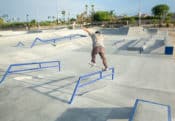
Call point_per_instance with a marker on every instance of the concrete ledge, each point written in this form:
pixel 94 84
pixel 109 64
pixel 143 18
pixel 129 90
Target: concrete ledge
pixel 169 48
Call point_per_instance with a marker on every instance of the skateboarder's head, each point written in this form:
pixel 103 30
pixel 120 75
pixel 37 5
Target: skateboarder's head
pixel 98 32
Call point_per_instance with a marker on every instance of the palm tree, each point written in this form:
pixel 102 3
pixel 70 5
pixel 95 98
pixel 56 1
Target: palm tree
pixel 86 9
pixel 5 17
pixel 92 12
pixel 112 14
pixel 48 17
pixel 53 17
pixel 68 17
pixel 63 14
pixel 27 18
pixel 92 6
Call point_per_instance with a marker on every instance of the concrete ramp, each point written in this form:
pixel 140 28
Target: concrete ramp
pixel 137 31
pixel 152 30
pixel 112 31
pixel 135 46
pixel 150 111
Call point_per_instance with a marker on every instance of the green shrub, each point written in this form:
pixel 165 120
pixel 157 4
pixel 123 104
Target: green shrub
pixel 132 21
pixel 102 16
pixel 33 23
pixel 13 25
pixel 45 23
pixel 1 21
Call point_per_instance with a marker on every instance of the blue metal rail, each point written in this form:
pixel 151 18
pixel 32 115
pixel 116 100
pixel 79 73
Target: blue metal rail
pixel 101 76
pixel 139 100
pixel 40 65
pixel 54 40
pixel 20 44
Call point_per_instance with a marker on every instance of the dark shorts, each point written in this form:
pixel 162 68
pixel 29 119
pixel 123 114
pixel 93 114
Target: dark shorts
pixel 101 51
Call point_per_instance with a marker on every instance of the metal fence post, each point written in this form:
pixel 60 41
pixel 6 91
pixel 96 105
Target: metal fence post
pixel 113 73
pixel 75 90
pixel 101 75
pixel 39 65
pixel 34 42
pixel 6 73
pixel 169 113
pixel 59 65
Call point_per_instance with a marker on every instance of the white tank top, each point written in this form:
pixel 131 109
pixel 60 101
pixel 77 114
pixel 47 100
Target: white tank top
pixel 97 40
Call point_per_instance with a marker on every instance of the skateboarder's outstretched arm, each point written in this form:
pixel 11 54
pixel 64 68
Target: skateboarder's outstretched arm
pixel 86 30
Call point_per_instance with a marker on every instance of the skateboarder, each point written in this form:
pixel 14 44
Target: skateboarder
pixel 97 47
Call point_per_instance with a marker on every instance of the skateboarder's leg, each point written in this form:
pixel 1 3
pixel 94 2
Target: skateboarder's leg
pixel 93 54
pixel 102 55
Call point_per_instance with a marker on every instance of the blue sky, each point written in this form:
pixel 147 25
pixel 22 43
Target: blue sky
pixel 41 9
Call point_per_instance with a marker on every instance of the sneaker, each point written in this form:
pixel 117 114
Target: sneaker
pixel 92 64
pixel 53 44
pixel 105 69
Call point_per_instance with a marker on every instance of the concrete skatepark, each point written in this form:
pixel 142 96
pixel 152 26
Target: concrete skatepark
pixel 43 95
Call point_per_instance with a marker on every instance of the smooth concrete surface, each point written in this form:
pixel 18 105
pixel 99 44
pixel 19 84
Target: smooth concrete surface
pixel 43 95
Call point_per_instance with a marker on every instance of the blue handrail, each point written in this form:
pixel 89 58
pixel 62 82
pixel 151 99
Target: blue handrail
pixel 131 118
pixel 53 40
pixel 101 76
pixel 39 66
pixel 19 44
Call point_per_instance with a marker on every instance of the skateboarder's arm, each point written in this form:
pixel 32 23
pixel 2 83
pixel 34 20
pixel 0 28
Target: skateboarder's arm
pixel 86 30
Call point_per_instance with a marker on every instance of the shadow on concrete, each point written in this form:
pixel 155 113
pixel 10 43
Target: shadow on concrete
pixel 125 46
pixel 60 89
pixel 59 28
pixel 34 31
pixel 95 114
pixel 112 31
pixel 157 44
pixel 152 31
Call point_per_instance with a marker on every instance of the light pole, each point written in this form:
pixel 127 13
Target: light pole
pixel 68 18
pixel 139 13
pixel 27 20
pixel 57 2
pixel 86 10
pixel 63 15
pixel 38 26
pixel 92 7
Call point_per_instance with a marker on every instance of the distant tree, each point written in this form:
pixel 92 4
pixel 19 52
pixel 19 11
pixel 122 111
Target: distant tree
pixel 93 10
pixel 155 21
pixel 160 11
pixel 49 17
pixel 5 17
pixel 33 22
pixel 63 14
pixel 1 21
pixel 86 9
pixel 132 20
pixel 102 16
pixel 72 19
pixel 113 15
pixel 168 19
pixel 80 18
pixel 53 17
